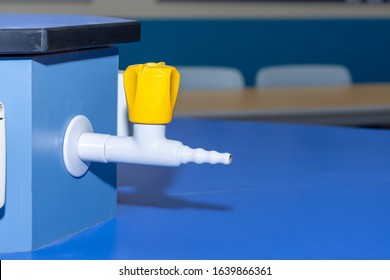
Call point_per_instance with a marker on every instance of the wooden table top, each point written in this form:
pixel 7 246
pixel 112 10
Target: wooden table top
pixel 361 99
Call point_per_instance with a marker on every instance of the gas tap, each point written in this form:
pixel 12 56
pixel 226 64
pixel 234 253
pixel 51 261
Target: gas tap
pixel 151 91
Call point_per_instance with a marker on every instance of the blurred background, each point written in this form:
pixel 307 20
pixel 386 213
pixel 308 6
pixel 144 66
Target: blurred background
pixel 246 35
pixel 350 36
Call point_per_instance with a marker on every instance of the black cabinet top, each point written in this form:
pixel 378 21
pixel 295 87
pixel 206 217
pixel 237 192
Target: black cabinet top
pixel 47 33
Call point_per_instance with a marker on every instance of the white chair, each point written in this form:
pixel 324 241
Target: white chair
pixel 305 75
pixel 210 77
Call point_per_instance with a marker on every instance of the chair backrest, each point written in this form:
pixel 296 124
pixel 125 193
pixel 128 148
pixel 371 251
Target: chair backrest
pixel 304 75
pixel 210 77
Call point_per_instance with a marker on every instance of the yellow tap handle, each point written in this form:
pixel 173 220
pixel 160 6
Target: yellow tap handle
pixel 151 91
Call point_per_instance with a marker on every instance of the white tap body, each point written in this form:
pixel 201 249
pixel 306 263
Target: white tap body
pixel 148 145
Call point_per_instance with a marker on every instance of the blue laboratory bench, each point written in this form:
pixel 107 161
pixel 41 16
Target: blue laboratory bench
pixel 292 192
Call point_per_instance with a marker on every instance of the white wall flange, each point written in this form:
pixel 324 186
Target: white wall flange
pixel 77 126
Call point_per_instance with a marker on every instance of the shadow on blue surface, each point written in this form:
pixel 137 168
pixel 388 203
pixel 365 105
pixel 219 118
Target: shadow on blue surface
pixel 2 212
pixel 164 201
pixel 149 186
pixel 104 171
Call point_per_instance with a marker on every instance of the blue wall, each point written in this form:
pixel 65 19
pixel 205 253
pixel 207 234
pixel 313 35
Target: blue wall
pixel 363 45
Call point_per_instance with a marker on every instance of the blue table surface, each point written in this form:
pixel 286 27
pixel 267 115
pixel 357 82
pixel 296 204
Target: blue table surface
pixel 292 192
pixel 25 21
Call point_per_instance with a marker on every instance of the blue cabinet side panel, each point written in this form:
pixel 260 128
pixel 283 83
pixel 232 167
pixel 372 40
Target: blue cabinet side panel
pixel 64 86
pixel 15 94
pixel 362 45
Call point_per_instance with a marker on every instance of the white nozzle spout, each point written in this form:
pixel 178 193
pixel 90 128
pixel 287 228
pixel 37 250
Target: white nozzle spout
pixel 187 154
